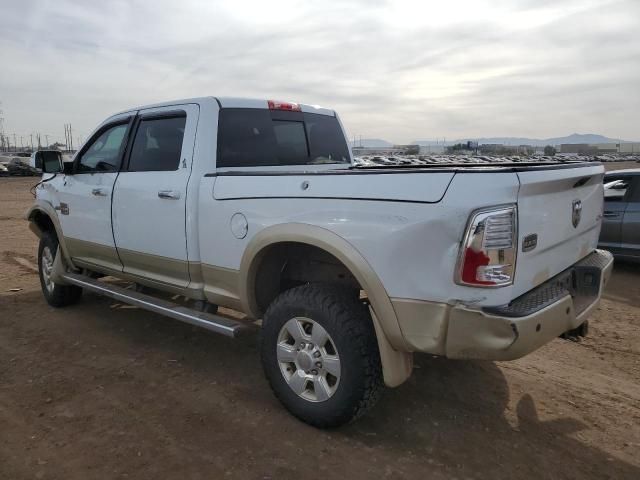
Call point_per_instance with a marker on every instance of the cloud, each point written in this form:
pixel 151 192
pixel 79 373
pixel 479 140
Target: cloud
pixel 396 70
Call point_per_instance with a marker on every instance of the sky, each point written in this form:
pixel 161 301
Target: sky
pixel 398 70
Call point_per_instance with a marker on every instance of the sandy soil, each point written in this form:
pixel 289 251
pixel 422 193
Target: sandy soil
pixel 101 391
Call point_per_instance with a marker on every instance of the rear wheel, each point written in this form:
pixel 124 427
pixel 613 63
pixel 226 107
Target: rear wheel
pixel 320 355
pixel 55 294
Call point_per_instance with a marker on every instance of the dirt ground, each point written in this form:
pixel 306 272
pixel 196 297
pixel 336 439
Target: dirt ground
pixel 99 390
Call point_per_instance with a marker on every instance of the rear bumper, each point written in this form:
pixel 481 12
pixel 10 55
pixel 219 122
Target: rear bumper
pixel 510 331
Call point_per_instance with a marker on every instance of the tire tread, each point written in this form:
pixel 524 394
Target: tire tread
pixel 354 319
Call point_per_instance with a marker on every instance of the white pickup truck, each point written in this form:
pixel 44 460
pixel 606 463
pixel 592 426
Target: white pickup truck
pixel 258 206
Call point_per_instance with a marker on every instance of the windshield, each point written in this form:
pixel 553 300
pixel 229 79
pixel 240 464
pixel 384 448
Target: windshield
pixel 258 137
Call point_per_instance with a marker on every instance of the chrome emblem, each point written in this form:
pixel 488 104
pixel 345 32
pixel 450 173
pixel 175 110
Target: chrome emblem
pixel 530 242
pixel 576 213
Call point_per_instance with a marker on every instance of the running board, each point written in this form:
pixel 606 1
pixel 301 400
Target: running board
pixel 208 321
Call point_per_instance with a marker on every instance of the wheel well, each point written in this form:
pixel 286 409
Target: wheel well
pixel 284 265
pixel 43 222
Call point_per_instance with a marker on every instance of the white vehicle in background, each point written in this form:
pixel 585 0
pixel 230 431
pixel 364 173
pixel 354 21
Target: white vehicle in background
pixel 257 206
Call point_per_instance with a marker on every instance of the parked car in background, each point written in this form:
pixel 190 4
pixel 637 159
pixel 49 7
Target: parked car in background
pixel 621 223
pixel 4 171
pixel 18 167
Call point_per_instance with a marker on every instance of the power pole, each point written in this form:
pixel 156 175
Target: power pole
pixel 46 137
pixel 31 135
pixel 2 136
pixel 68 135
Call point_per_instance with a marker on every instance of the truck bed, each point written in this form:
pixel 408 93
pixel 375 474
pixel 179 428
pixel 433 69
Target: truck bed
pixel 463 161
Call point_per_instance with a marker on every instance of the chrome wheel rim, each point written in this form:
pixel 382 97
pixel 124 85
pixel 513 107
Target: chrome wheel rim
pixel 47 268
pixel 308 359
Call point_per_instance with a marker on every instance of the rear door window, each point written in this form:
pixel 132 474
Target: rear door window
pixel 259 137
pixel 158 144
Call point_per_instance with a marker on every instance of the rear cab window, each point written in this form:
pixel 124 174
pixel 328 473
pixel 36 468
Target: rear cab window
pixel 249 137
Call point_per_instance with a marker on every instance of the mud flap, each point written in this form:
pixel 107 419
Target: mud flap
pixel 59 269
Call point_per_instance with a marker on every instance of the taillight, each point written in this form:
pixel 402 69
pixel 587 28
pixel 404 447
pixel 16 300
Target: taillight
pixel 488 252
pixel 291 107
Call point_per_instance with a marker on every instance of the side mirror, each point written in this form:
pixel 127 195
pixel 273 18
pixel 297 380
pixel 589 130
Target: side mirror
pixel 51 162
pixel 38 160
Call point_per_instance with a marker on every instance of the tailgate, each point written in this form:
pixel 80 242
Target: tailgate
pixel 563 207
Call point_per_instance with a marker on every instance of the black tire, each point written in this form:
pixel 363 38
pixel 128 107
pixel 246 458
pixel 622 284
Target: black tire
pixel 348 323
pixel 59 295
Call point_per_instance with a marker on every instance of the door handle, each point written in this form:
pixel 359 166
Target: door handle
pixel 169 194
pixel 99 192
pixel 611 214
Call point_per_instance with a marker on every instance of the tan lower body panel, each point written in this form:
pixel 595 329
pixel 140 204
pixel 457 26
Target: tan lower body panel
pixel 423 324
pixel 93 253
pixel 461 332
pixel 221 286
pixel 474 334
pixel 464 332
pixel 155 267
pixel 217 285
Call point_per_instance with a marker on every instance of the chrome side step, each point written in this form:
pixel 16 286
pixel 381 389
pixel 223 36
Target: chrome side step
pixel 214 323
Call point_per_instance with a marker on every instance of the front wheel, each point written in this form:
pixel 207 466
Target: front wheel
pixel 320 355
pixel 55 294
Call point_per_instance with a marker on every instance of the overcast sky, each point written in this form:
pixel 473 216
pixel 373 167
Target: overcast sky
pixel 395 70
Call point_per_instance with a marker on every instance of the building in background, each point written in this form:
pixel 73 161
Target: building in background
pixel 599 148
pixel 500 149
pixel 437 149
pixel 629 148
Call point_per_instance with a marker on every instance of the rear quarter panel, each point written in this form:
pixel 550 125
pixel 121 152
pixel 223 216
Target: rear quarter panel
pixel 412 247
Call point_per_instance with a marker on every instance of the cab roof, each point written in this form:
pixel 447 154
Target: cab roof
pixel 232 102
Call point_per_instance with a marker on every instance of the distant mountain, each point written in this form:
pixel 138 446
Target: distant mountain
pixel 371 142
pixel 585 138
pixel 573 138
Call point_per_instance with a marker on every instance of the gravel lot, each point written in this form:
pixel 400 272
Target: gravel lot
pixel 101 390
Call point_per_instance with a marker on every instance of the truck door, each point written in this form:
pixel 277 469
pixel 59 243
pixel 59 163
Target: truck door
pixel 84 196
pixel 630 244
pixel 149 198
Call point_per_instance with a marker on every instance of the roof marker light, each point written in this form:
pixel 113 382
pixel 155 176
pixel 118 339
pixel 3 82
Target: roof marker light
pixel 288 106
